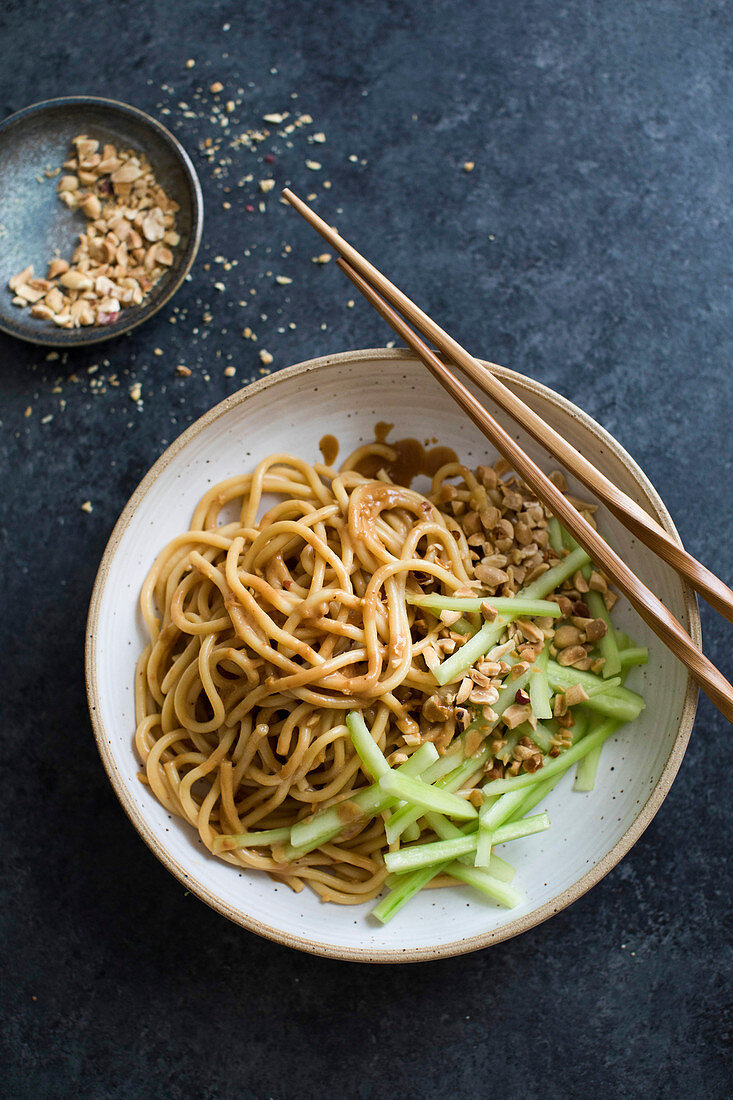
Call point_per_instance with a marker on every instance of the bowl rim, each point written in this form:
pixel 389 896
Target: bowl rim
pixel 367 954
pixel 88 337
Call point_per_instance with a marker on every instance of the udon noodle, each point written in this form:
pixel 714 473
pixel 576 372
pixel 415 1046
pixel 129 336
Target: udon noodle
pixel 282 608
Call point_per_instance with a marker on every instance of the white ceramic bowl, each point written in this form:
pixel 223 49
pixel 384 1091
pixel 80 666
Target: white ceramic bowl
pixel 290 411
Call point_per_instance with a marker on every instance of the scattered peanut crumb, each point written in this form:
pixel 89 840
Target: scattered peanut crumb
pixel 190 63
pixel 324 258
pixel 468 166
pixel 266 185
pixel 28 412
pixel 216 87
pixel 185 372
pixel 157 351
pixel 230 372
pixel 283 280
pixel 265 357
pixel 86 506
pixel 135 391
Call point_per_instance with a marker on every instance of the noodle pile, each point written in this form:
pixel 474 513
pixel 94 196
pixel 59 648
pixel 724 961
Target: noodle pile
pixel 281 609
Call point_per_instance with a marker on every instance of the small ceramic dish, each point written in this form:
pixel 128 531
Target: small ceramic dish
pixel 291 411
pixel 34 225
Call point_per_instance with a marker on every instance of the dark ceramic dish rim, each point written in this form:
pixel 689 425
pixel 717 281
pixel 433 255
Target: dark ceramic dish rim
pixel 137 316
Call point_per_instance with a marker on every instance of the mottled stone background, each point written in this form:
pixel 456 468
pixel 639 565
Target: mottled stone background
pixel 591 248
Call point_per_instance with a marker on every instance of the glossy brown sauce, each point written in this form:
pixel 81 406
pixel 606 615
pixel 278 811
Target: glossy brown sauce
pixel 329 448
pixel 412 458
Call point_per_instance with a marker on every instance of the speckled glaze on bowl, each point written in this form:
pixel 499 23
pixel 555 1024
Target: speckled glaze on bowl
pixel 290 411
pixel 34 224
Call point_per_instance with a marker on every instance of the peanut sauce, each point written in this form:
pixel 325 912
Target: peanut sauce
pixel 369 500
pixel 349 812
pixel 412 457
pixel 329 448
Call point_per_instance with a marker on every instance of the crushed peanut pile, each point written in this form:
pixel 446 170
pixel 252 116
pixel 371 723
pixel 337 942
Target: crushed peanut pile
pixel 506 529
pixel 125 249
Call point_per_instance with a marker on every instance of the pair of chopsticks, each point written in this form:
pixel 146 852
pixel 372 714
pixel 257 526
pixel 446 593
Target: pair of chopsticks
pixel 387 299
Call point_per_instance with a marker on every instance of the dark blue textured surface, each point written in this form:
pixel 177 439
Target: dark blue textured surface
pixel 590 247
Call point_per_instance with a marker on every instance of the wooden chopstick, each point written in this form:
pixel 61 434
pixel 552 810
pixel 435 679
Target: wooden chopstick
pixel 649 607
pixel 631 514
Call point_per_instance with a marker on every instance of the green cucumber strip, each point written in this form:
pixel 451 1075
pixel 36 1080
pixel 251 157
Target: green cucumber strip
pixel 515 830
pixel 447 831
pixel 371 756
pixel 514 605
pixel 487 884
pixel 633 655
pixel 326 824
pixel 603 687
pixel 454 667
pixel 500 874
pixel 549 581
pixel 424 855
pixel 496 813
pixel 437 851
pixel 539 685
pixel 569 542
pixel 541 734
pixel 607 645
pixel 406 888
pixel 618 702
pixel 407 815
pixel 470 652
pixel 499 868
pixel 587 769
pixel 491 815
pixel 455 778
pixel 483 847
pixel 427 797
pixel 534 795
pixel 554 530
pixel 555 766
